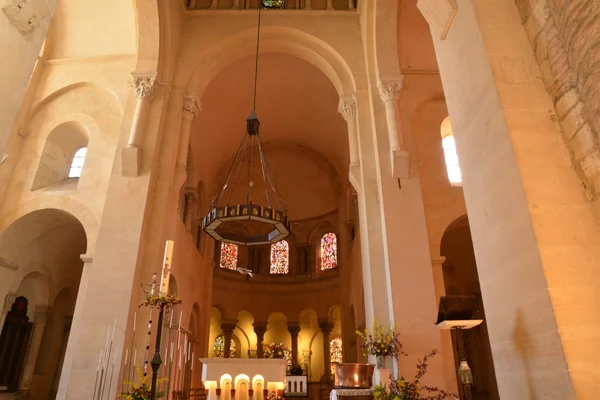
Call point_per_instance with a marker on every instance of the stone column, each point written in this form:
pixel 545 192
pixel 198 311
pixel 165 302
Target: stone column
pixel 41 318
pixel 537 267
pixel 214 4
pixel 326 328
pixel 329 4
pixel 294 330
pixel 389 91
pixel 191 108
pixel 308 5
pixel 9 300
pixel 227 327
pixel 347 108
pixel 438 277
pixel 144 87
pixel 259 329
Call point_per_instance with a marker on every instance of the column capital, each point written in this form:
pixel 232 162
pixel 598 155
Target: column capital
pixel 228 326
pixel 144 86
pixel 9 300
pixel 191 107
pixel 325 325
pixel 260 328
pixel 390 88
pixel 438 261
pixel 347 108
pixel 42 313
pixel 293 328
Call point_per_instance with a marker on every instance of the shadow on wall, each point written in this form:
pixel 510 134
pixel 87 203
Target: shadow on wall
pixel 461 278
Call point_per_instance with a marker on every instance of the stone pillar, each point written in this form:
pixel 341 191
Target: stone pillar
pixel 389 91
pixel 23 29
pixel 214 4
pixel 536 266
pixel 308 5
pixel 347 108
pixel 41 318
pixel 191 108
pixel 227 327
pixel 326 328
pixel 9 300
pixel 144 87
pixel 351 5
pixel 259 329
pixel 438 277
pixel 330 4
pixel 294 330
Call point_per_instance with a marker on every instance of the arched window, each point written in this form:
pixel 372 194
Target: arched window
pixel 77 163
pixel 335 351
pixel 450 156
pixel 219 347
pixel 229 256
pixel 328 251
pixel 280 257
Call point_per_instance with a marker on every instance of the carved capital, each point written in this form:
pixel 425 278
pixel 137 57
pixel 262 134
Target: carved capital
pixel 144 87
pixel 389 90
pixel 260 328
pixel 293 328
pixel 9 300
pixel 325 325
pixel 87 258
pixel 191 107
pixel 25 15
pixel 228 327
pixel 347 109
pixel 42 314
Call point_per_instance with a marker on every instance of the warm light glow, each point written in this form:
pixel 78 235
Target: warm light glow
pixel 77 163
pixel 280 257
pixel 335 350
pixel 241 377
pixel 454 174
pixel 229 256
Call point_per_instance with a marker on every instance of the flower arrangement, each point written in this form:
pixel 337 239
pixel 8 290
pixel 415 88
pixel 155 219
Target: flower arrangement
pixel 275 350
pixel 272 3
pixel 402 389
pixel 380 342
pixel 160 300
pixel 141 391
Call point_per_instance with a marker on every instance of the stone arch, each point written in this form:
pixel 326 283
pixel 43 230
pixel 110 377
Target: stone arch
pixel 66 204
pixel 273 39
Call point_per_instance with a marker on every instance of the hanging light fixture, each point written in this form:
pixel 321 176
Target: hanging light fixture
pixel 247 223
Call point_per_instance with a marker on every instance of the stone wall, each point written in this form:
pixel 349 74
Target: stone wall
pixel 565 35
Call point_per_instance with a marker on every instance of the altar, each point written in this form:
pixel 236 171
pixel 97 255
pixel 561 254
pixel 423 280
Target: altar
pixel 243 378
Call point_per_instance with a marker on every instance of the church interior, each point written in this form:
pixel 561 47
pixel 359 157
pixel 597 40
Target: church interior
pixel 305 169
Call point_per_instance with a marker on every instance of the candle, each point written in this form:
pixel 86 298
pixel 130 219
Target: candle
pixel 180 317
pixel 166 269
pixel 172 345
pixel 126 354
pixel 178 340
pixel 114 327
pixel 179 358
pixel 189 350
pixel 184 345
pixel 171 321
pixel 192 366
pixel 107 337
pixel 153 283
pixel 134 320
pixel 115 359
pixel 134 358
pixel 99 360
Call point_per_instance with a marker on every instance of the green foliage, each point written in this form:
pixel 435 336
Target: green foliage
pixel 273 3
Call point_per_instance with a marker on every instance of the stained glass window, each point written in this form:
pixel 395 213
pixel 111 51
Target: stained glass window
pixel 280 257
pixel 229 256
pixel 335 351
pixel 77 163
pixel 328 251
pixel 219 348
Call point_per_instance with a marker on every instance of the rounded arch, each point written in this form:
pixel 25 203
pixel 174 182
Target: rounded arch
pixel 69 206
pixel 35 287
pixel 276 39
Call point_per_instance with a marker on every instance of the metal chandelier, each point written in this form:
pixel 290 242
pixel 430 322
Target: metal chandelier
pixel 247 223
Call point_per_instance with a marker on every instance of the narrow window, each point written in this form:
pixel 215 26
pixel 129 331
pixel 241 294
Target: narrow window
pixel 77 163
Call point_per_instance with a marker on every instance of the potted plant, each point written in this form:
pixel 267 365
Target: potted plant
pixel 402 389
pixel 380 342
pixel 140 391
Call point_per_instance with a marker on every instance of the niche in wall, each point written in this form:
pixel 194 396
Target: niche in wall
pixel 60 147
